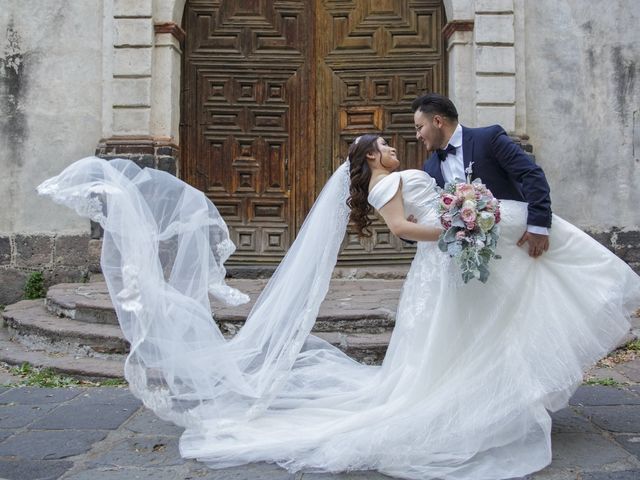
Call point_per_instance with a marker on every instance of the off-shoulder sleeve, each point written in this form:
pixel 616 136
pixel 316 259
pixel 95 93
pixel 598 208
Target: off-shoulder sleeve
pixel 384 190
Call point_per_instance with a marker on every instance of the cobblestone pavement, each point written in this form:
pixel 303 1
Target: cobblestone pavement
pixel 105 433
pixel 98 433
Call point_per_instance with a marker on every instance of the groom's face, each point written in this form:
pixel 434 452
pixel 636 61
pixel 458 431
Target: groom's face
pixel 429 129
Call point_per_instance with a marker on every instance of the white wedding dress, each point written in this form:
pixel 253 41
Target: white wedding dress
pixel 470 373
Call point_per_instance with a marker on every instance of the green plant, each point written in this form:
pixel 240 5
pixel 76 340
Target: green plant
pixel 45 377
pixel 607 382
pixel 34 287
pixel 48 378
pixel 112 382
pixel 633 345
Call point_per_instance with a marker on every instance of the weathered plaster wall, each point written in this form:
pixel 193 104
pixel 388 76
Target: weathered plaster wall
pixel 50 104
pixel 583 109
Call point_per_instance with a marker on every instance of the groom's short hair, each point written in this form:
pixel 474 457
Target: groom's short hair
pixel 435 104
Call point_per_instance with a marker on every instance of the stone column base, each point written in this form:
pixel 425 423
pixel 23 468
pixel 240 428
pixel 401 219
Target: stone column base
pixel 151 152
pixel 148 152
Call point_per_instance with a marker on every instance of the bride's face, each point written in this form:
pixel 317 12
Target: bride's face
pixel 385 157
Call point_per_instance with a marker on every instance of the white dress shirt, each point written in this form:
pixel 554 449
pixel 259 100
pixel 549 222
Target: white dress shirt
pixel 453 167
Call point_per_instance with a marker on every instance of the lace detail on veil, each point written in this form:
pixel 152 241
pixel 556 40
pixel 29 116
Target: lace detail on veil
pixel 225 248
pixel 229 295
pixel 89 203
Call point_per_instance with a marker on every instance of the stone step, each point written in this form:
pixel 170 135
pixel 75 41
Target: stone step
pixel 33 334
pixel 366 348
pixel 86 302
pixel 357 306
pixel 15 353
pixel 34 326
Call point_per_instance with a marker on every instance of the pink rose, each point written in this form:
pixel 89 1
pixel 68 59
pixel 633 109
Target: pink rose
pixel 460 235
pixel 471 225
pixel 466 190
pixel 447 200
pixel 497 215
pixel 468 214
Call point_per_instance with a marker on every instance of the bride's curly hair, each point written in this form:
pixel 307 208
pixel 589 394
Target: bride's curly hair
pixel 360 175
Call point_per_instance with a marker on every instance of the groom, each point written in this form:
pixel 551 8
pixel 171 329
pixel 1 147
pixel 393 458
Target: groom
pixel 504 168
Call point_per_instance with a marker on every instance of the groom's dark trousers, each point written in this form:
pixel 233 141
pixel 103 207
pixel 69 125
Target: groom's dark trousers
pixel 504 168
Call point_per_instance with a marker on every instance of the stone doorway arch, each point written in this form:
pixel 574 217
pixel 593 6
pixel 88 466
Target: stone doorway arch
pixel 150 129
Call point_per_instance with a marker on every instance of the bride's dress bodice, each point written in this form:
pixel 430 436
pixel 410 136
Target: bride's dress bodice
pixel 419 195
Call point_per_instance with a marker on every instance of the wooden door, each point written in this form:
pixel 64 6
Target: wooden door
pixel 374 58
pixel 247 106
pixel 275 91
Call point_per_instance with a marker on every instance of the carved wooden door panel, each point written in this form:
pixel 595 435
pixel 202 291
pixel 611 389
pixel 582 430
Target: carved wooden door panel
pixel 245 117
pixel 275 91
pixel 374 58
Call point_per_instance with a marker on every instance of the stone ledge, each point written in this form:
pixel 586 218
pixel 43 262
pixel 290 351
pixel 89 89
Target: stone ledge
pixel 31 318
pixel 84 367
pixel 393 272
pixel 89 303
pixel 86 302
pixel 150 152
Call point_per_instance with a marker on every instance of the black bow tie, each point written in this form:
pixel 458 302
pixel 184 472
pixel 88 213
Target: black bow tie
pixel 442 153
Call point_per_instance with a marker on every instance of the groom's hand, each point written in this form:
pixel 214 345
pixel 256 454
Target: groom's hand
pixel 537 243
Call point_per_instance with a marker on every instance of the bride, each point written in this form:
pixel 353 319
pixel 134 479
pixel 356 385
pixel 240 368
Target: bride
pixel 471 371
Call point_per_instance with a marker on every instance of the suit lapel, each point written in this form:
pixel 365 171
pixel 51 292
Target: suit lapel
pixel 467 148
pixel 432 167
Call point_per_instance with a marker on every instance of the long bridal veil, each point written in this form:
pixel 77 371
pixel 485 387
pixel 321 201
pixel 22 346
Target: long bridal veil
pixel 468 376
pixel 163 252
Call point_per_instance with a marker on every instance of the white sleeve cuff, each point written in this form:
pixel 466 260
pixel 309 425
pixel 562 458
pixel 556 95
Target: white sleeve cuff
pixel 538 230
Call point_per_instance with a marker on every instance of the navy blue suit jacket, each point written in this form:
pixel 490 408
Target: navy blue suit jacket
pixel 504 168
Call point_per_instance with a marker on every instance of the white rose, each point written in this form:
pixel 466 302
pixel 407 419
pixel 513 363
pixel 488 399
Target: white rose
pixel 486 221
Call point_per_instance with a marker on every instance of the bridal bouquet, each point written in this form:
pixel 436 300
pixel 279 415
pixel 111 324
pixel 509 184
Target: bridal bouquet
pixel 470 215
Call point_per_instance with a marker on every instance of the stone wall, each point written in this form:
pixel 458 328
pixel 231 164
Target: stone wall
pixel 61 258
